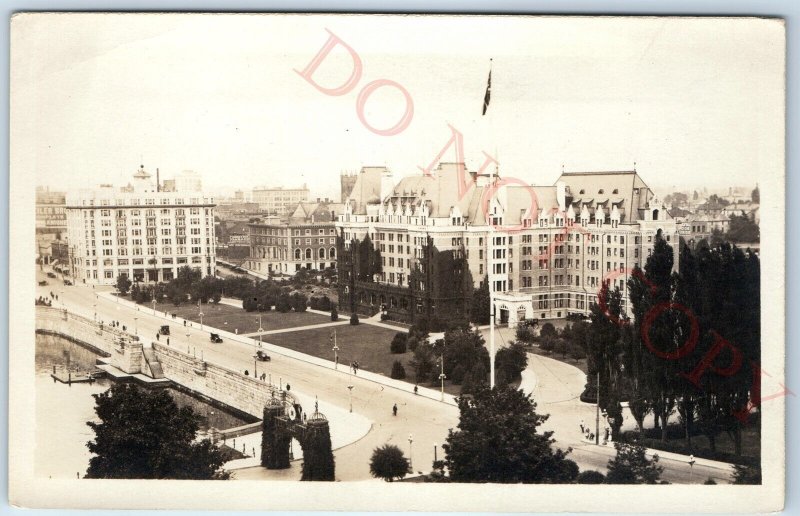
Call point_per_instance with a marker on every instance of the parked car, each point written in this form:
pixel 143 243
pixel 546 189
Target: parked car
pixel 262 356
pixel 215 338
pixel 67 282
pixel 51 274
pixel 164 330
pixel 43 283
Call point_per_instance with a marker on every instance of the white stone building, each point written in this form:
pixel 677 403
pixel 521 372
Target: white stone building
pixel 144 234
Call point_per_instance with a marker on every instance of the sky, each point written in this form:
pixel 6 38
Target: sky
pixel 692 101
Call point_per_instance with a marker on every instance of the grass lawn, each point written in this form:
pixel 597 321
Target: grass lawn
pixel 367 344
pixel 216 316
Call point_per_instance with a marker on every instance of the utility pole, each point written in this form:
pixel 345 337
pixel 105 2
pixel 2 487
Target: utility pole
pixel 490 265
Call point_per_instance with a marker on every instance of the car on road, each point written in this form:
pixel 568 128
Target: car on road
pixel 215 338
pixel 164 330
pixel 262 356
pixel 43 283
pixel 67 282
pixel 51 274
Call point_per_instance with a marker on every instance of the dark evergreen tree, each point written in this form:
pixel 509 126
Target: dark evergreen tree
pixel 143 434
pixel 498 440
pixel 318 462
pixel 481 304
pixel 631 466
pixel 389 463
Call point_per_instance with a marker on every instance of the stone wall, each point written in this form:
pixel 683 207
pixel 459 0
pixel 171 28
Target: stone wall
pixel 123 351
pixel 234 389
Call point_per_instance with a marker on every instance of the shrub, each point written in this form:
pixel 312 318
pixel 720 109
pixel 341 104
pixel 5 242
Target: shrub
pixel 457 374
pixel 576 352
pixel 389 463
pixel 591 476
pixel 298 302
pixel 284 303
pixel 412 343
pixel 548 344
pixel 710 482
pixel 399 343
pixel 334 313
pixel 354 319
pixel 398 371
pixel 548 330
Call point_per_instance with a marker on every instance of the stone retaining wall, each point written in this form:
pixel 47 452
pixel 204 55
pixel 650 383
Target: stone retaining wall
pixel 234 389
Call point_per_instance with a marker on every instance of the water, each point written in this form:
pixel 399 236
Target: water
pixel 63 410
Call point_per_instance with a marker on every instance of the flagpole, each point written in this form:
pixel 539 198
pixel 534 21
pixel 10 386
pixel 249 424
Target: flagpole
pixel 490 234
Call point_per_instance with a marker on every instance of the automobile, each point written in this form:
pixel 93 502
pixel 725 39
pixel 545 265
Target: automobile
pixel 51 274
pixel 43 283
pixel 216 338
pixel 164 330
pixel 262 356
pixel 67 282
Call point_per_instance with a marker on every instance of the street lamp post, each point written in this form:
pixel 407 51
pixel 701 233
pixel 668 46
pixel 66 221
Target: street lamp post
pixel 201 320
pixel 260 329
pixel 187 342
pixel 435 458
pixel 597 410
pixel 691 468
pixel 335 349
pixel 350 388
pixel 410 452
pixel 136 326
pixel 442 375
pixel 154 304
pixel 95 312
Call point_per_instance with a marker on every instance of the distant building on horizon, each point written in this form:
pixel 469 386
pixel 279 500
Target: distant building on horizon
pixel 279 200
pixel 51 222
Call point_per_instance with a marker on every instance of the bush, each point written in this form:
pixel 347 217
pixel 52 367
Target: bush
pixel 457 374
pixel 591 476
pixel 710 482
pixel 354 320
pixel 398 371
pixel 298 302
pixel 399 343
pixel 412 343
pixel 334 313
pixel 576 352
pixel 548 344
pixel 389 463
pixel 384 317
pixel 548 330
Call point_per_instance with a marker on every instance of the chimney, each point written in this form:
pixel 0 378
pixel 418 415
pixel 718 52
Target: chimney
pixel 561 195
pixel 158 181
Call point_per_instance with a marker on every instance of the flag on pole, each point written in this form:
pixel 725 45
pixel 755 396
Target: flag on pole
pixel 488 95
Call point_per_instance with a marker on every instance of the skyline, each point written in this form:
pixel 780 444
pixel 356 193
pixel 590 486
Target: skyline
pixel 223 96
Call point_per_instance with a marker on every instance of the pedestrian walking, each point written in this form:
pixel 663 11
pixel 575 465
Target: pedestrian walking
pixel 582 427
pixel 246 372
pixel 416 389
pixel 158 336
pixel 184 322
pixel 394 409
pixel 167 341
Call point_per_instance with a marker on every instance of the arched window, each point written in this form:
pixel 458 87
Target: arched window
pixel 655 214
pixel 297 254
pixel 332 253
pixel 321 253
pixel 308 253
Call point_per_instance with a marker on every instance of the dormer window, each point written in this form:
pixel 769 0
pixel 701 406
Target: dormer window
pixel 616 190
pixel 600 191
pixel 583 192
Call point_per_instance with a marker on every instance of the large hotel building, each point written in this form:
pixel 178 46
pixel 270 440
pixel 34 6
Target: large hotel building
pixel 141 232
pixel 545 249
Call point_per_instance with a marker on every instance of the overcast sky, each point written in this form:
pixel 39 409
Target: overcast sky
pixel 691 101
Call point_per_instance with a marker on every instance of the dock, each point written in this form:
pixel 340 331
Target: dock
pixel 70 377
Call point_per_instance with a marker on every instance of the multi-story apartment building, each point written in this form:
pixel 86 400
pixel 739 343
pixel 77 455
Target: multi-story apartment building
pixel 145 234
pixel 279 201
pixel 545 250
pixel 51 221
pixel 304 240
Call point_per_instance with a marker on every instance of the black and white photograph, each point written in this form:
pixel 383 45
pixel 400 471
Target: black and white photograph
pixel 364 262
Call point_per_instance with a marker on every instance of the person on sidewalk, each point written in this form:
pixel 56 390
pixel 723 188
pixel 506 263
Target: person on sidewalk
pixel 416 389
pixel 394 409
pixel 158 336
pixel 583 430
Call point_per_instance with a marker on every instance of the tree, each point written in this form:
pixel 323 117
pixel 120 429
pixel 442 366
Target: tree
pixel 498 440
pixel 747 474
pixel 755 195
pixel 481 304
pixel 389 463
pixel 743 228
pixel 591 476
pixel 423 362
pixel 399 343
pixel 398 371
pixel 123 284
pixel 525 333
pixel 511 360
pixel 547 344
pixel 548 330
pixel 354 319
pixel 283 303
pixel 143 434
pixel 334 313
pixel 631 466
pixel 298 302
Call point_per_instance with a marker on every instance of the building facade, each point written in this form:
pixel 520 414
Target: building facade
pixel 144 234
pixel 304 240
pixel 51 222
pixel 545 250
pixel 279 201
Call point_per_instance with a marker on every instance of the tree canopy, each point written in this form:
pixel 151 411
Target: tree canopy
pixel 143 434
pixel 631 466
pixel 498 440
pixel 389 463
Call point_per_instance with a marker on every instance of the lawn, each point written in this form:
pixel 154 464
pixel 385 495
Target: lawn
pixel 230 318
pixel 367 344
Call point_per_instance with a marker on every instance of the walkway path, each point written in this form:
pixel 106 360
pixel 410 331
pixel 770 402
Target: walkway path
pixel 296 328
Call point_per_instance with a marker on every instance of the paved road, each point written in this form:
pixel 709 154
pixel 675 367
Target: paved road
pixel 556 387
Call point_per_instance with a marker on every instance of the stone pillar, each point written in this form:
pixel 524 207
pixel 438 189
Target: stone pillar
pixel 318 463
pixel 275 436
